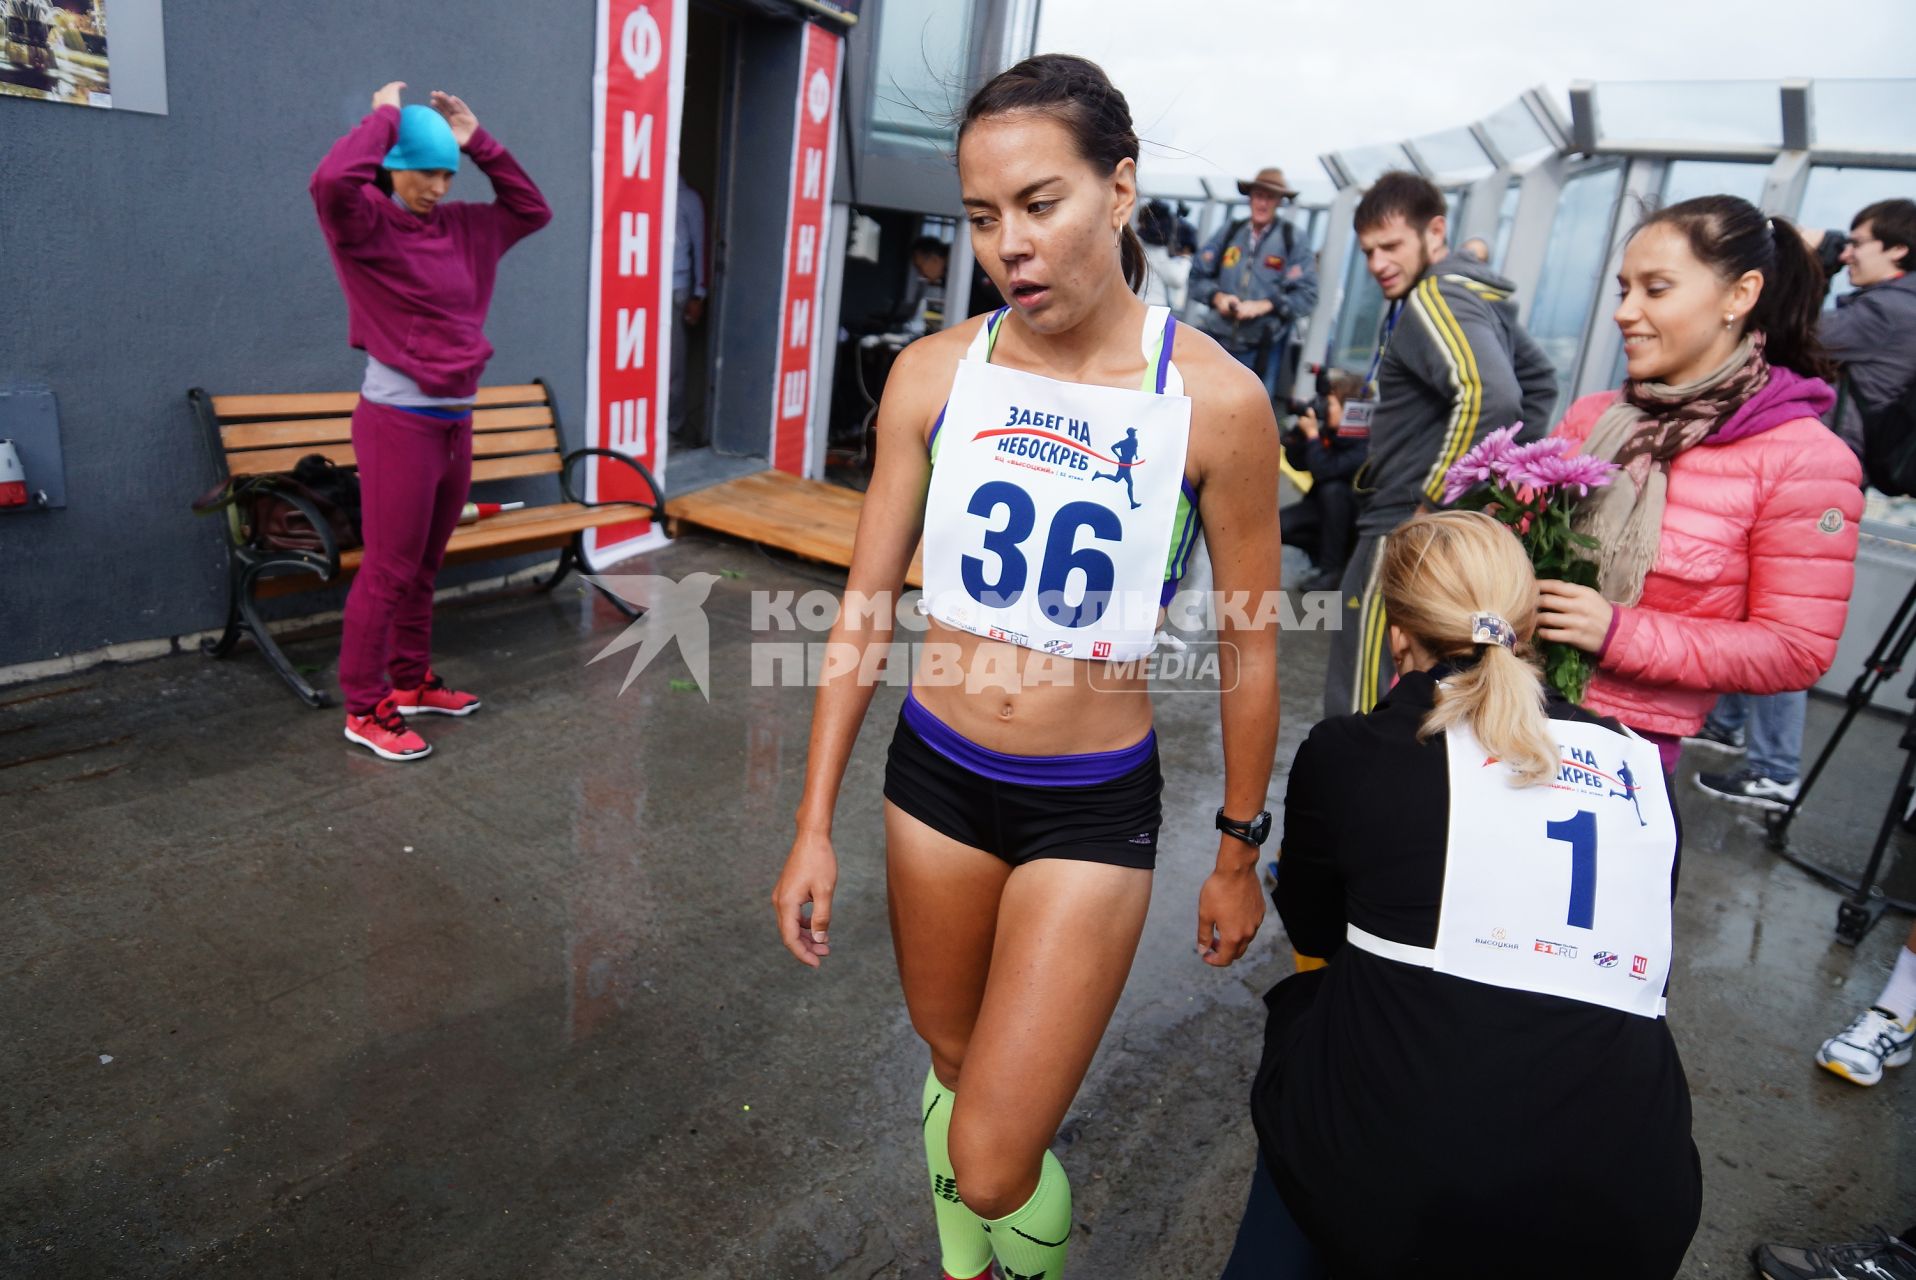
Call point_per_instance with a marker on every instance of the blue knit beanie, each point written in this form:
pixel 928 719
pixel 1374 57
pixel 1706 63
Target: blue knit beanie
pixel 425 141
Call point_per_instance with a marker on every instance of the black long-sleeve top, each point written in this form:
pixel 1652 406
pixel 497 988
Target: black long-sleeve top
pixel 1422 1124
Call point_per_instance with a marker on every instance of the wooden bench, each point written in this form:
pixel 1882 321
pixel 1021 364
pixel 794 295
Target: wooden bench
pixel 515 434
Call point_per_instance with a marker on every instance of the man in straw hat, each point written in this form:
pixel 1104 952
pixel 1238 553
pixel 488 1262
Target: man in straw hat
pixel 1258 276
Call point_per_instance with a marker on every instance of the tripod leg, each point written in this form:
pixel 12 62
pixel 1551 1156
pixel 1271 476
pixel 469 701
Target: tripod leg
pixel 1884 661
pixel 1864 906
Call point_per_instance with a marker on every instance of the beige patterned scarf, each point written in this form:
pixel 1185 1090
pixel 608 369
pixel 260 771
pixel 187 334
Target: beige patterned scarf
pixel 1648 426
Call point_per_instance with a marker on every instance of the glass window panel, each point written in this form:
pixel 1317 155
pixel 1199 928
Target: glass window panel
pixel 1516 132
pixel 923 48
pixel 1833 196
pixel 1688 179
pixel 1506 219
pixel 1863 115
pixel 1573 263
pixel 1367 164
pixel 1453 155
pixel 1733 111
pixel 1455 202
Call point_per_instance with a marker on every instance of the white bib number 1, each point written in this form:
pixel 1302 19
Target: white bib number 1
pixel 1561 888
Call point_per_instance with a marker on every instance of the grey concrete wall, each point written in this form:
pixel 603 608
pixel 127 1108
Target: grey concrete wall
pixel 147 254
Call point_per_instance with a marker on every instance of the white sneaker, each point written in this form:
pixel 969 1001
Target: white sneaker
pixel 1861 1050
pixel 1748 787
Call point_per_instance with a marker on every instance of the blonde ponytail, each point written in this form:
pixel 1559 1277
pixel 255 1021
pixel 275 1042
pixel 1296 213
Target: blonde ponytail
pixel 1441 573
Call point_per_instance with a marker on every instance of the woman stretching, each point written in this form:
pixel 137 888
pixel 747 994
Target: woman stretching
pixel 417 271
pixel 1022 807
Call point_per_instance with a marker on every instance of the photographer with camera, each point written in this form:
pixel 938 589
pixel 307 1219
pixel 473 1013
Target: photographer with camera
pixel 1323 523
pixel 1258 275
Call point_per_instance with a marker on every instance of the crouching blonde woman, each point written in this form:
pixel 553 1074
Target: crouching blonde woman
pixel 1480 1081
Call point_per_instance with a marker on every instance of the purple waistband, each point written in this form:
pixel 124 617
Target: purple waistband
pixel 1030 771
pixel 443 412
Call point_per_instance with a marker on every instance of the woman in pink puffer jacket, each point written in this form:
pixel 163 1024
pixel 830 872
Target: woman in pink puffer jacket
pixel 1729 537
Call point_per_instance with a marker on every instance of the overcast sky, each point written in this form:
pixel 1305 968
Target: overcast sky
pixel 1243 83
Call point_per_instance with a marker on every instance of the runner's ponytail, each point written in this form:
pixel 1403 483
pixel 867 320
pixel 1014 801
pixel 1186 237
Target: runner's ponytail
pixel 1459 583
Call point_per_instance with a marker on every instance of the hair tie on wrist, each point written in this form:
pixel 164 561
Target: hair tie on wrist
pixel 1489 628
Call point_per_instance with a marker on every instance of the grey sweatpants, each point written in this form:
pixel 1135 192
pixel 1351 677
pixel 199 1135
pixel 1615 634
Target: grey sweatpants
pixel 1360 669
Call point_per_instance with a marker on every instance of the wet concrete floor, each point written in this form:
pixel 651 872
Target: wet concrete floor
pixel 274 1008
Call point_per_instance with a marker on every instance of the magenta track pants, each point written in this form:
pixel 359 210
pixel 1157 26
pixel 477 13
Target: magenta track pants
pixel 414 474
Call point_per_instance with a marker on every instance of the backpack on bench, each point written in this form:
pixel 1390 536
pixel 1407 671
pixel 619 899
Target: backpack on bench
pixel 263 517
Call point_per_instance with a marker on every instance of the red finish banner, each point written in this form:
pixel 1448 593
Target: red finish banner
pixel 636 94
pixel 806 244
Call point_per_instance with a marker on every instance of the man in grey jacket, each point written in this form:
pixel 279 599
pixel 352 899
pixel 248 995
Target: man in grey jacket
pixel 1453 366
pixel 1872 332
pixel 1255 279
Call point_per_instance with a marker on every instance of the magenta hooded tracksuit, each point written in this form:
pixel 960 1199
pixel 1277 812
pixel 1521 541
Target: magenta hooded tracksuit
pixel 417 291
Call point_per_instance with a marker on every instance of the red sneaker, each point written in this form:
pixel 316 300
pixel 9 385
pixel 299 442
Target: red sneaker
pixel 434 698
pixel 385 734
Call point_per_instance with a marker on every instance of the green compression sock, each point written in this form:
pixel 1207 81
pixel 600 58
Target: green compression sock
pixel 1030 1242
pixel 962 1240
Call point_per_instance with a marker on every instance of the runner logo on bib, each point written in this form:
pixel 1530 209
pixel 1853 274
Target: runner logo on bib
pixel 1052 508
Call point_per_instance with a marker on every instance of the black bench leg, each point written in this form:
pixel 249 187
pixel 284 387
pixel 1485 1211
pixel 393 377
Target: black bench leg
pixel 629 609
pixel 573 559
pixel 223 646
pixel 274 654
pixel 568 561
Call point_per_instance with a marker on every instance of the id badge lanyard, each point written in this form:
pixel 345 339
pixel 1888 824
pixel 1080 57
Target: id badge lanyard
pixel 1359 414
pixel 1383 345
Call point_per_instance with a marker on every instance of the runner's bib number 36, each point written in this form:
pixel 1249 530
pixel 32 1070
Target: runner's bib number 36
pixel 1051 510
pixel 1561 888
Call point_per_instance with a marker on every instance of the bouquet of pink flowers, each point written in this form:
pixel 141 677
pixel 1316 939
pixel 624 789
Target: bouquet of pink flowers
pixel 1534 488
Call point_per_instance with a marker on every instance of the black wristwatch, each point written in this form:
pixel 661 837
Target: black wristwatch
pixel 1254 833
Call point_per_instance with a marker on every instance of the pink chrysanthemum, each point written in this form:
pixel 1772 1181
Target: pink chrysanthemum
pixel 1490 460
pixel 1559 471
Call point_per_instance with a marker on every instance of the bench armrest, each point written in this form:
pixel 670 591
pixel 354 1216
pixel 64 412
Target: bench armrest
pixel 657 506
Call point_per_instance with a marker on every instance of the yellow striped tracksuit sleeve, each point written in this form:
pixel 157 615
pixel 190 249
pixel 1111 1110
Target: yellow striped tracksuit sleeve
pixel 1461 348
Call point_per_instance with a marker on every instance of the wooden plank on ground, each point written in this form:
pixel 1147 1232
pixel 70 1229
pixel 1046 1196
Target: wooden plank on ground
pixel 808 518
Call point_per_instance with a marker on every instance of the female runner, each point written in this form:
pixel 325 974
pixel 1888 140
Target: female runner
pixel 1055 499
pixel 417 271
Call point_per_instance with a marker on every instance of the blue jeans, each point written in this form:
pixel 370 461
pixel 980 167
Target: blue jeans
pixel 1270 1245
pixel 1264 361
pixel 1774 725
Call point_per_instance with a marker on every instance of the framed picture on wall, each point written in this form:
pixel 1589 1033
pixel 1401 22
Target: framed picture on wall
pixel 89 53
pixel 56 50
